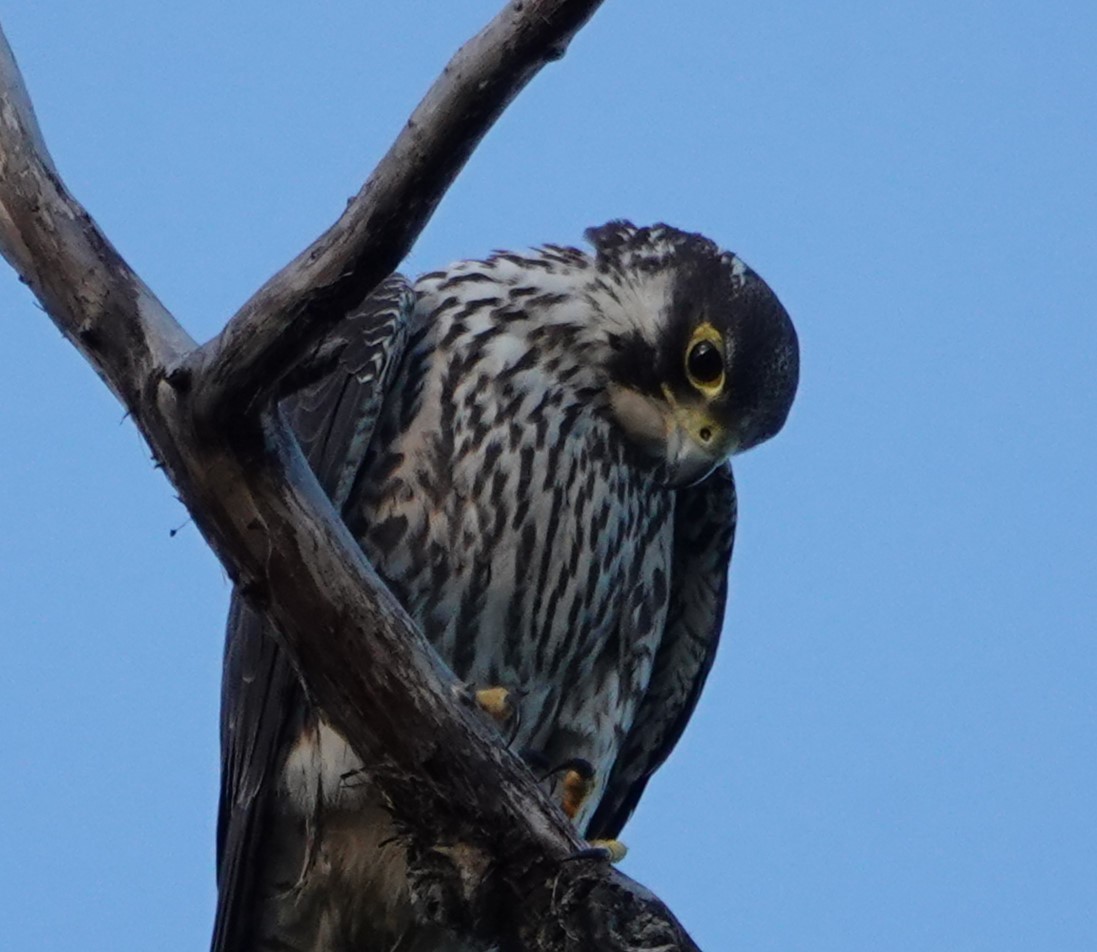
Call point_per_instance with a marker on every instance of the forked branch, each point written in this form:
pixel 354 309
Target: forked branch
pixel 210 416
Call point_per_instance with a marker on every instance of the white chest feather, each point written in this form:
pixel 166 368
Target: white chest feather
pixel 322 768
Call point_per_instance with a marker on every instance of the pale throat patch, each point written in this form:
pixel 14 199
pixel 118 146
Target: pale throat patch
pixel 643 418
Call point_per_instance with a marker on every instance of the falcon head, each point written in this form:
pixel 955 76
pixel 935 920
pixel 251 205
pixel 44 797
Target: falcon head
pixel 703 359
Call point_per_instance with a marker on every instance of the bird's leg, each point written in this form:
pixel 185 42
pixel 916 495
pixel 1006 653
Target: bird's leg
pixel 575 786
pixel 502 706
pixel 612 850
pixel 499 703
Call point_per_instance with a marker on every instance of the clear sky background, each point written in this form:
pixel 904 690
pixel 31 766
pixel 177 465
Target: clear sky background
pixel 897 749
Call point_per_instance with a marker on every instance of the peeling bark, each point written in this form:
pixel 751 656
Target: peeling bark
pixel 490 840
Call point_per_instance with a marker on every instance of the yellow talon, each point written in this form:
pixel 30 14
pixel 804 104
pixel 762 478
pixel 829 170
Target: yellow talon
pixel 576 787
pixel 615 848
pixel 497 704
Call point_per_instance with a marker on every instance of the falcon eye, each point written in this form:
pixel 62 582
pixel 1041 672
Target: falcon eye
pixel 705 366
pixel 705 363
pixel 705 360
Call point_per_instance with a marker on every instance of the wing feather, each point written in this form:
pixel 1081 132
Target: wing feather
pixel 261 698
pixel 704 533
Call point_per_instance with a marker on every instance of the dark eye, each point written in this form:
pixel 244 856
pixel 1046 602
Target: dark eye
pixel 705 363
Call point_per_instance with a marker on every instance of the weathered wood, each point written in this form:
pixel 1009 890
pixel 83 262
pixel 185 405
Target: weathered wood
pixel 209 415
pixel 373 235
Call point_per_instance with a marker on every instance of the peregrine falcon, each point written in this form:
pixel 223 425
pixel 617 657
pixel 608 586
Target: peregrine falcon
pixel 532 450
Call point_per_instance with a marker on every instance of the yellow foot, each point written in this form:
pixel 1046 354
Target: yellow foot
pixel 576 785
pixel 497 704
pixel 500 704
pixel 615 849
pixel 606 851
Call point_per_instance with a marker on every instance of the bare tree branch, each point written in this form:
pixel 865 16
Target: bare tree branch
pixel 58 251
pixel 210 417
pixel 300 303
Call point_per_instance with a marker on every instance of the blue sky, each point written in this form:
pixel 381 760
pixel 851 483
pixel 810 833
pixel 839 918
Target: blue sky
pixel 896 749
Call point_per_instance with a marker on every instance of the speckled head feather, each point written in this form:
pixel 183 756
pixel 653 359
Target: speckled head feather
pixel 688 305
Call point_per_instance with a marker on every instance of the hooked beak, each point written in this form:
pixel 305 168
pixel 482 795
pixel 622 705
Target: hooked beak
pixel 687 462
pixel 687 444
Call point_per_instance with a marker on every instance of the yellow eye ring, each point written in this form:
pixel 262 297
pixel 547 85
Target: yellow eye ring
pixel 704 360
